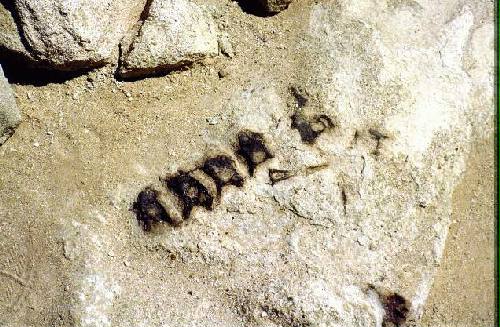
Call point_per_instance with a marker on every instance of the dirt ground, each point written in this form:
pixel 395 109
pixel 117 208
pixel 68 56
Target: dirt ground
pixel 464 289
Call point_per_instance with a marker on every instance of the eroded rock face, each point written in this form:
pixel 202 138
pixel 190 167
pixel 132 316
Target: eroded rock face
pixel 175 33
pixel 9 113
pixel 70 35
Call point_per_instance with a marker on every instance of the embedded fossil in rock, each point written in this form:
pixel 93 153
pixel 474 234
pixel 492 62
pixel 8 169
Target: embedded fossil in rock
pixel 278 175
pixel 396 310
pixel 223 170
pixel 299 95
pixel 190 191
pixel 310 127
pixel 148 208
pixel 201 186
pixel 396 307
pixel 252 148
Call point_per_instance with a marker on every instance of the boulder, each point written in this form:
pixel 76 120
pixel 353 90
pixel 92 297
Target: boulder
pixel 72 35
pixel 9 113
pixel 10 38
pixel 174 34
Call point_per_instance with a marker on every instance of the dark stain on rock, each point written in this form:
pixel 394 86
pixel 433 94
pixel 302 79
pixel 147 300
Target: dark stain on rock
pixel 148 209
pixel 355 138
pixel 396 310
pixel 310 129
pixel 286 316
pixel 300 98
pixel 344 200
pixel 190 191
pixel 313 169
pixel 222 169
pixel 378 137
pixel 278 175
pixel 252 147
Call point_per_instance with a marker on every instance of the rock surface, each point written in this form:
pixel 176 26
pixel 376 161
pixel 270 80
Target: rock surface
pixel 70 35
pixel 344 126
pixel 10 39
pixel 175 33
pixel 9 113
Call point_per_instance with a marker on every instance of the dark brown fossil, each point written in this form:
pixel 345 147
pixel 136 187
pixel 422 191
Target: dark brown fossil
pixel 190 191
pixel 299 96
pixel 310 128
pixel 199 187
pixel 148 209
pixel 252 147
pixel 395 308
pixel 223 171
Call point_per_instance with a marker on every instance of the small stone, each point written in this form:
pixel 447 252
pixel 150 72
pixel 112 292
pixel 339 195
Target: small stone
pixel 72 35
pixel 225 47
pixel 212 120
pixel 223 73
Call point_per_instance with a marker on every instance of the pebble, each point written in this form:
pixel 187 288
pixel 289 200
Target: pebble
pixel 223 73
pixel 225 47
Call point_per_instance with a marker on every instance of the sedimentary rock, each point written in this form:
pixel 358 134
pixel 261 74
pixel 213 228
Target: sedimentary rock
pixel 70 35
pixel 9 113
pixel 175 33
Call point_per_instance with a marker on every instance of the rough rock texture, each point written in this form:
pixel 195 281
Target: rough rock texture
pixel 349 123
pixel 175 33
pixel 70 35
pixel 9 113
pixel 275 6
pixel 10 39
